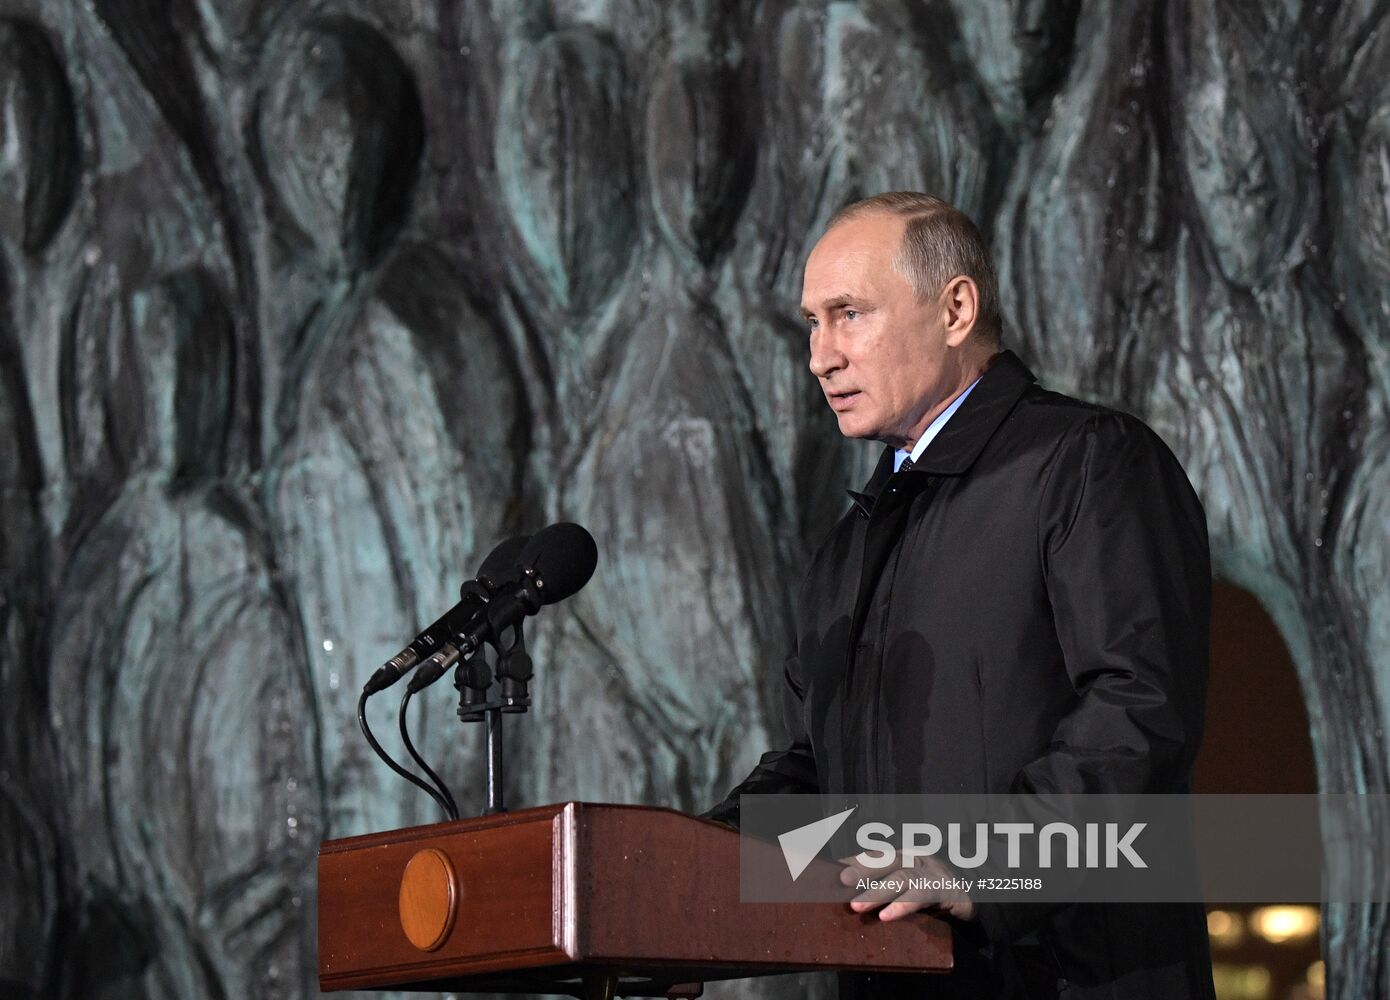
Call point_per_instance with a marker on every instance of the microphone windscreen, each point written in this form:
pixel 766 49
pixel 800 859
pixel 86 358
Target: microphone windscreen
pixel 503 563
pixel 564 556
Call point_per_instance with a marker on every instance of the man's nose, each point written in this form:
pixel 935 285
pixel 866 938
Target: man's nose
pixel 826 357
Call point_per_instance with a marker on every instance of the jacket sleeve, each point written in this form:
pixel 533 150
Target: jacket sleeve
pixel 1123 543
pixel 792 769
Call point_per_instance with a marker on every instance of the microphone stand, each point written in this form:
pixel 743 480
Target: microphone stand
pixel 474 680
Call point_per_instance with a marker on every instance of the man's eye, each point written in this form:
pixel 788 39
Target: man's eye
pixel 812 322
pixel 851 313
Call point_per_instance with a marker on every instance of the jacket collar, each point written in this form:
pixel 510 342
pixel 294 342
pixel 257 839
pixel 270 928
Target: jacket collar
pixel 965 434
pixel 864 500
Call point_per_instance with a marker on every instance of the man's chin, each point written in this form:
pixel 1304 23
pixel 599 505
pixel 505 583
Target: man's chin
pixel 852 428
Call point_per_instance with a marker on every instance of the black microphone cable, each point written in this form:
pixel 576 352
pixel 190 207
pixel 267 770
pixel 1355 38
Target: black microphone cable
pixel 390 761
pixel 452 808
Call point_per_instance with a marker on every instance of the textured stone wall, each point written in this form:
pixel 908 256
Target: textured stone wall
pixel 304 305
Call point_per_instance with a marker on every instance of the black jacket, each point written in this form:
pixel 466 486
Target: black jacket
pixel 1026 609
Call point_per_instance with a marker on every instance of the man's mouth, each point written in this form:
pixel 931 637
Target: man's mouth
pixel 843 400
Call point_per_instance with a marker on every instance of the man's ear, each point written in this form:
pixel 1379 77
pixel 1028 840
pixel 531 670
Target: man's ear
pixel 961 306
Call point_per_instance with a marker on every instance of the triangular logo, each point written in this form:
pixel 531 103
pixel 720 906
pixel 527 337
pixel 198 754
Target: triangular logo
pixel 800 846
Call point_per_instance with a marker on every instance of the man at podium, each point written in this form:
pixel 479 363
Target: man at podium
pixel 1016 601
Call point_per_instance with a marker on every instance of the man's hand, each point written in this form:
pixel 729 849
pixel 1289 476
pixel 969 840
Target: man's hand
pixel 903 889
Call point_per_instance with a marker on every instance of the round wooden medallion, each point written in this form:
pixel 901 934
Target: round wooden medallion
pixel 429 898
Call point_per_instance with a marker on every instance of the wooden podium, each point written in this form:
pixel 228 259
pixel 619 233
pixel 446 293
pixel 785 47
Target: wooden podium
pixel 581 900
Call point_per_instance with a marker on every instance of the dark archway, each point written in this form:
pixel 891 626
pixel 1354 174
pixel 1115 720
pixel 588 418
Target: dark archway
pixel 1257 736
pixel 1257 741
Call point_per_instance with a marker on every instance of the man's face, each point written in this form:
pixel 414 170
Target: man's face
pixel 880 355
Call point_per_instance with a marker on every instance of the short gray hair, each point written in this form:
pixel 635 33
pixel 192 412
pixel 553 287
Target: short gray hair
pixel 939 242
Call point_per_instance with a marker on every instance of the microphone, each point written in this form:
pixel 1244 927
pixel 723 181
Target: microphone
pixel 498 569
pixel 554 564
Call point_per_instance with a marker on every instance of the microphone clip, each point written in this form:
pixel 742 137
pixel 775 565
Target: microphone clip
pixel 475 679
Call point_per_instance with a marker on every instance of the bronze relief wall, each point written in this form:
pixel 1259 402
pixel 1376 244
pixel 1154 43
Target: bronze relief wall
pixel 304 305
